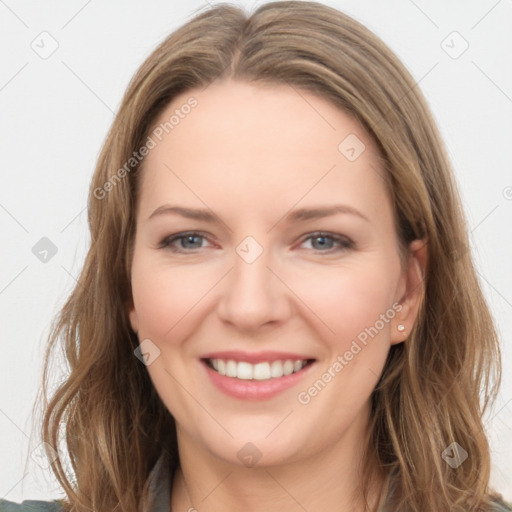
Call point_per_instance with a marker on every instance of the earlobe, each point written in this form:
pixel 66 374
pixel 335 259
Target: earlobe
pixel 399 333
pixel 412 298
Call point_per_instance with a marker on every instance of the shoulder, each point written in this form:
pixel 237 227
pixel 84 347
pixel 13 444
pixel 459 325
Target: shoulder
pixel 498 504
pixel 32 506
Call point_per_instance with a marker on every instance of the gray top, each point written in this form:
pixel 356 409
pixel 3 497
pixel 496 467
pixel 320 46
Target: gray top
pixel 159 496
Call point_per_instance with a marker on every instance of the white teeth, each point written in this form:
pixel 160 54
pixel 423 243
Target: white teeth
pixel 276 369
pixel 231 369
pixel 260 371
pixel 288 367
pixel 244 371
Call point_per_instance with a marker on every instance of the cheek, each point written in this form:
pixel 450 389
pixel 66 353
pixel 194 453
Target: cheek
pixel 349 300
pixel 165 297
pixel 357 304
pixel 168 300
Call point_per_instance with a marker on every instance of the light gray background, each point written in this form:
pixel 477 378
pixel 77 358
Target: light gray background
pixel 56 112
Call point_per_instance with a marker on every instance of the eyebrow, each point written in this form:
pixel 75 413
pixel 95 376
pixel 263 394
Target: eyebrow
pixel 299 215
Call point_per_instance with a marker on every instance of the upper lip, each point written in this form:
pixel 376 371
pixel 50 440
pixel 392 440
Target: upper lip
pixel 255 357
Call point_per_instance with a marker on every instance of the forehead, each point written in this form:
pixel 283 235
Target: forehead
pixel 254 144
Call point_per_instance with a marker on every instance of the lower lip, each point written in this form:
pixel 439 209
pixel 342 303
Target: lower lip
pixel 254 389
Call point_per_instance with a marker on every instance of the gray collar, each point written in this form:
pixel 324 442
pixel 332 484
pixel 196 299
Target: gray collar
pixel 159 487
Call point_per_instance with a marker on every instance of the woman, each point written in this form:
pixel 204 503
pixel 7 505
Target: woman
pixel 323 343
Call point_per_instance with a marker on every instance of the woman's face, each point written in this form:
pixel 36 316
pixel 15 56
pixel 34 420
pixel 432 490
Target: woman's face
pixel 288 262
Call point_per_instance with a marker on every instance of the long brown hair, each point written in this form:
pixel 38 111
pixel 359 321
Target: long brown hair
pixel 435 388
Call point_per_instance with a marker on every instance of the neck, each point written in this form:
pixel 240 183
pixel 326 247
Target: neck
pixel 329 480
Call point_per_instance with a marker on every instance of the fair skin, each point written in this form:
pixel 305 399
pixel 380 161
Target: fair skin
pixel 252 154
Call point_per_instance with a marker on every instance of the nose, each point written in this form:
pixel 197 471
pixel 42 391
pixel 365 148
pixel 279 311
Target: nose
pixel 254 295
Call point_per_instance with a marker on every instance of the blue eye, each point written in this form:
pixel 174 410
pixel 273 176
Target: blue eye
pixel 187 241
pixel 326 242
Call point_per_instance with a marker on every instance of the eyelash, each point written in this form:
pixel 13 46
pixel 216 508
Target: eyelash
pixel 344 242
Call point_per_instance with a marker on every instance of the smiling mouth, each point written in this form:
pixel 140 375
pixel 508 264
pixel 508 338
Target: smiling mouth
pixel 265 370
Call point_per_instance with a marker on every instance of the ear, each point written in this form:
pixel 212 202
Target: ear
pixel 412 290
pixel 132 314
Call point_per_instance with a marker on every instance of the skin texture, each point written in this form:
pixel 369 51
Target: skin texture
pixel 251 154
